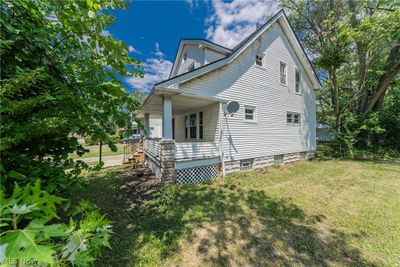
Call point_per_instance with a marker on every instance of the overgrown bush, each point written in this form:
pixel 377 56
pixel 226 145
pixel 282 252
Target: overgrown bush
pixel 32 230
pixel 53 87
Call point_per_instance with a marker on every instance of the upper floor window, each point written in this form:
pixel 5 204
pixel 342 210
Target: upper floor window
pixel 283 71
pixel 259 60
pixel 249 113
pixel 292 118
pixel 184 56
pixel 297 80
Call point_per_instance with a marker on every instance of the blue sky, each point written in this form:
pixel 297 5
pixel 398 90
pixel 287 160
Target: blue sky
pixel 152 30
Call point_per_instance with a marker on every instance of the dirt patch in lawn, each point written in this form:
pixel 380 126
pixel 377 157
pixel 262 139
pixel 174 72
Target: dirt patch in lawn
pixel 142 185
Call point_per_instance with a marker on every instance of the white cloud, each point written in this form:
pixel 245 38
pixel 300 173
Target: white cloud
pixel 190 3
pixel 131 49
pixel 195 3
pixel 156 69
pixel 105 33
pixel 158 51
pixel 231 22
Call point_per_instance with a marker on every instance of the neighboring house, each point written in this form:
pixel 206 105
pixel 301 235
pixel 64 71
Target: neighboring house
pixel 272 79
pixel 324 133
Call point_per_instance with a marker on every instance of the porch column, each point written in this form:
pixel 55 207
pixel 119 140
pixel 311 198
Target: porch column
pixel 167 118
pixel 147 124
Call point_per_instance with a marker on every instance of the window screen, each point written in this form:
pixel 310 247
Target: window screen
pixel 297 78
pixel 259 60
pixel 249 113
pixel 283 73
pixel 193 126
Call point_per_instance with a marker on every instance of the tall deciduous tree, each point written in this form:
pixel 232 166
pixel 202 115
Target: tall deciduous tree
pixel 321 24
pixel 357 44
pixel 375 30
pixel 60 72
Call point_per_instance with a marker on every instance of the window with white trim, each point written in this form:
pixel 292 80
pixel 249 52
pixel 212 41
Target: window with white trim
pixel 283 71
pixel 190 68
pixel 249 113
pixel 194 128
pixel 297 80
pixel 259 60
pixel 293 118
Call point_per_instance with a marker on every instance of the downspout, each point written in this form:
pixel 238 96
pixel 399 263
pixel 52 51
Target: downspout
pixel 221 146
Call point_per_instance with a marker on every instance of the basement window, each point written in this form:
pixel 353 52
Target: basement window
pixel 278 159
pixel 246 164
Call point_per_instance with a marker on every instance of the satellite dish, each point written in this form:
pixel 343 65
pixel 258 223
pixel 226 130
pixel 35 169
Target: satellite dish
pixel 232 107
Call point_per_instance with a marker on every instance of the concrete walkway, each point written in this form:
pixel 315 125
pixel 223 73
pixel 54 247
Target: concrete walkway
pixel 108 160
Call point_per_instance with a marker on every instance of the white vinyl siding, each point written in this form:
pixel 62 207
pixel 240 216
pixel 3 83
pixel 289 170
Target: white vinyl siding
pixel 248 84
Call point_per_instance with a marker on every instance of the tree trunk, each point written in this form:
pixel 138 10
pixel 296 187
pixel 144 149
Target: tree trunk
pixel 362 61
pixel 335 99
pixel 391 70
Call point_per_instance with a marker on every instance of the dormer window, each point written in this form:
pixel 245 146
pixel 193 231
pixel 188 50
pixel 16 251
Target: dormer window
pixel 191 67
pixel 259 60
pixel 184 56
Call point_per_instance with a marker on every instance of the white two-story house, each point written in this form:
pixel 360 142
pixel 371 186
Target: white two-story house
pixel 273 81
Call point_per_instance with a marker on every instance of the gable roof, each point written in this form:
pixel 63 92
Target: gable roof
pixel 288 31
pixel 197 41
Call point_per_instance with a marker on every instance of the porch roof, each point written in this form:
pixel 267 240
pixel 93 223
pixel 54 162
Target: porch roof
pixel 181 101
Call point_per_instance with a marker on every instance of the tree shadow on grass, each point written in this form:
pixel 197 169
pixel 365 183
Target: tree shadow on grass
pixel 211 224
pixel 277 232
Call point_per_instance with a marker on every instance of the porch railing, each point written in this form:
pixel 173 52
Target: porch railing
pixel 152 148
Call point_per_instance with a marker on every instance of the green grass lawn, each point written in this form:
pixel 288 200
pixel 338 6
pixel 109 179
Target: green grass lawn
pixel 94 151
pixel 320 213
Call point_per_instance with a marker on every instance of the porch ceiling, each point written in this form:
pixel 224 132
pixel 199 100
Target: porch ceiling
pixel 180 104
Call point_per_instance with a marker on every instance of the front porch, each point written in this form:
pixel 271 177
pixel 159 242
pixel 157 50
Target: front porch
pixel 188 150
